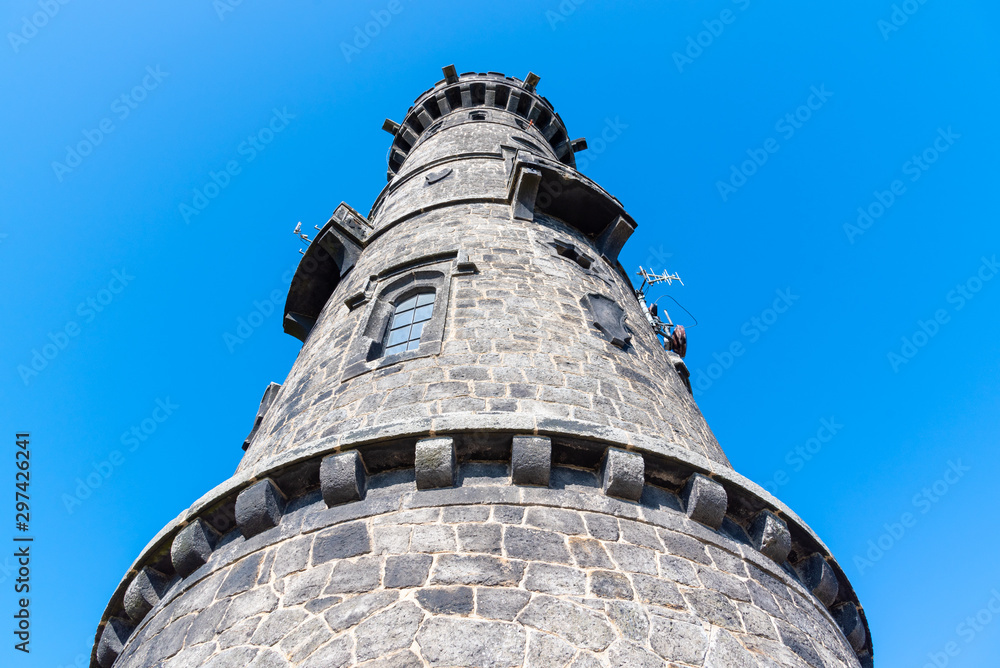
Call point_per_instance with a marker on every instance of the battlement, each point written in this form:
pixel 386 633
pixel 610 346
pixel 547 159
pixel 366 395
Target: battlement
pixel 491 90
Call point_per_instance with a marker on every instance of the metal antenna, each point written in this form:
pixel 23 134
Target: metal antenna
pixel 298 232
pixel 663 327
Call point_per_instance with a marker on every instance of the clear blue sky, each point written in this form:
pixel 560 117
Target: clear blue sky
pixel 197 83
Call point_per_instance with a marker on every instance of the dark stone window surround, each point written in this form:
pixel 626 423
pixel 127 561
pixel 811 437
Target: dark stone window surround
pixel 432 275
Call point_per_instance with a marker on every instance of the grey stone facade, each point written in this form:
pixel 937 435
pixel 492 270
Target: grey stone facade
pixel 526 481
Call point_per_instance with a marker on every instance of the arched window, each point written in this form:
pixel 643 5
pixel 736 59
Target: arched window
pixel 407 323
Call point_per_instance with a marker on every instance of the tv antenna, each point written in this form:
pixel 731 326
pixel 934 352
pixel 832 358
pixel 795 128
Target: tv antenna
pixel 298 232
pixel 674 336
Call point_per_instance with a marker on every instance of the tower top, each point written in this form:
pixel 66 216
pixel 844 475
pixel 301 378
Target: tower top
pixel 477 90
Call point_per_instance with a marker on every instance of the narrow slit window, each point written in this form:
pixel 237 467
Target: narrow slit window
pixel 407 323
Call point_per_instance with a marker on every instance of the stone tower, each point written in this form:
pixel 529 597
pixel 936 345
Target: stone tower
pixel 483 454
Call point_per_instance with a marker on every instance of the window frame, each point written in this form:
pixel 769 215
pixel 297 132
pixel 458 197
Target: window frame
pixel 400 301
pixel 368 346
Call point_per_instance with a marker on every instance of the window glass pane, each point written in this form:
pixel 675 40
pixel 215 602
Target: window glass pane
pixel 398 336
pixel 407 324
pixel 423 313
pixel 401 319
pixel 407 305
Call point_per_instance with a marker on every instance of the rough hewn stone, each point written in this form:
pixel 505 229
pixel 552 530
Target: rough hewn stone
pixel 435 463
pixel 341 542
pixel 819 578
pixel 531 460
pixel 446 600
pixel 575 624
pixel 259 507
pixel 705 500
pixel 534 545
pixel 623 474
pixel 770 535
pixel 500 603
pixel 471 643
pixel 144 592
pixel 342 478
pixel 387 631
pixel 192 546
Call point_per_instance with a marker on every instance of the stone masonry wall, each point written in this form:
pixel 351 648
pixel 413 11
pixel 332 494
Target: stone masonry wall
pixel 517 340
pixel 487 575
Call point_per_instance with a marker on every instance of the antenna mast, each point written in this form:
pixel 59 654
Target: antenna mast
pixel 674 336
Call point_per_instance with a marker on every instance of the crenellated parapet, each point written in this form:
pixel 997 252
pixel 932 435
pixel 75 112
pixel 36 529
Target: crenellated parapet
pixel 470 91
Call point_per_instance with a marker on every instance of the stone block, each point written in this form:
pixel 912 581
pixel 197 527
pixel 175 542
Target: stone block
pixel 435 463
pixel 705 500
pixel 819 578
pixel 609 584
pixel 847 618
pixel 623 474
pixel 407 570
pixel 501 603
pixel 555 519
pixel 770 536
pixel 341 542
pixel 726 651
pixel 603 527
pixel 112 642
pixel 144 592
pixel 556 580
pixel 574 623
pixel 535 545
pixel 481 538
pixel 476 570
pixel 471 643
pixel 531 460
pixel 446 600
pixel 192 547
pixel 357 608
pixel 259 507
pixel 589 553
pixel 342 478
pixel 388 631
